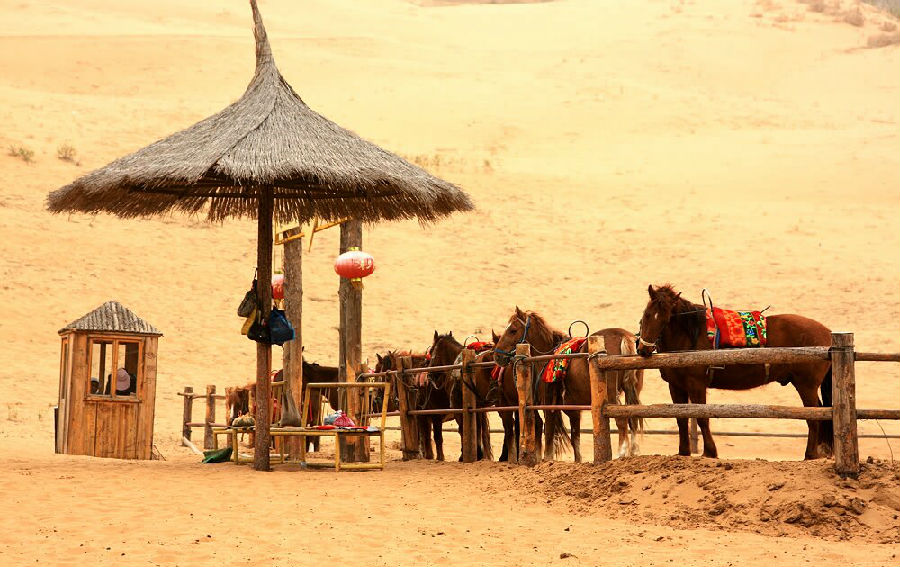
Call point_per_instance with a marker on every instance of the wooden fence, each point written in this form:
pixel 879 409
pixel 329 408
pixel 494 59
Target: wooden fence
pixel 843 412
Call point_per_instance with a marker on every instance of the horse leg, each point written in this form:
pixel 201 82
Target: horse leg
pixel 506 418
pixel 484 426
pixel 697 394
pixel 538 436
pixel 437 423
pixel 613 387
pixel 575 433
pixel 680 396
pixel 810 398
pixel 549 429
pixel 424 425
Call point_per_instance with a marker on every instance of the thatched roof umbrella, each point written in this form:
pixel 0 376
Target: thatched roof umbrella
pixel 267 156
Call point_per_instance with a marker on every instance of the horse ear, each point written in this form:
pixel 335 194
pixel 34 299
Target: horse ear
pixel 450 334
pixel 495 336
pixel 519 313
pixel 379 357
pixel 435 335
pixel 650 290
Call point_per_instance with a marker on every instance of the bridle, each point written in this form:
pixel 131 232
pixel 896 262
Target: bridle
pixel 503 357
pixel 654 344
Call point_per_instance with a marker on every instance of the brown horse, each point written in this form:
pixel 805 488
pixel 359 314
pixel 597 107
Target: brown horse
pixel 671 323
pixel 502 391
pixel 446 350
pixel 315 373
pixel 391 361
pixel 575 387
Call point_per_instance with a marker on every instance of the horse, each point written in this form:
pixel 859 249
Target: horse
pixel 574 388
pixel 390 361
pixel 446 350
pixel 315 373
pixel 502 391
pixel 672 323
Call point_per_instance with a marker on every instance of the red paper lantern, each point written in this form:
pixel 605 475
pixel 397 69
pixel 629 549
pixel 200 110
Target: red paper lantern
pixel 354 264
pixel 278 286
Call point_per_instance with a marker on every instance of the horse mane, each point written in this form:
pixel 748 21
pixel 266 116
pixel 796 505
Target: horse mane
pixel 688 317
pixel 540 328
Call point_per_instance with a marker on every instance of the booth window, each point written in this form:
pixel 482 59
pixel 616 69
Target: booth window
pixel 115 368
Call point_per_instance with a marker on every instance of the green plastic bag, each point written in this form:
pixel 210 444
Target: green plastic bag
pixel 217 455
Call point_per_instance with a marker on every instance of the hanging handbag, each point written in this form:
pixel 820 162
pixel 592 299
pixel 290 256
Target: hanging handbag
pixel 248 322
pixel 259 330
pixel 249 303
pixel 280 329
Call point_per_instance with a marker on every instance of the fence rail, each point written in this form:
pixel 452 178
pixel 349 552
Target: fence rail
pixel 843 410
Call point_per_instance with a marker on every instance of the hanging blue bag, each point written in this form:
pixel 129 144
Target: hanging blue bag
pixel 280 329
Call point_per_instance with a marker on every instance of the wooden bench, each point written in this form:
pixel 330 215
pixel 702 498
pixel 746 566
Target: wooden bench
pixel 340 435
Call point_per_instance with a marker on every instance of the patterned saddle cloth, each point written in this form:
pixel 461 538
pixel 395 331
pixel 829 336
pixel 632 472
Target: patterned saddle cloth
pixel 556 369
pixel 735 329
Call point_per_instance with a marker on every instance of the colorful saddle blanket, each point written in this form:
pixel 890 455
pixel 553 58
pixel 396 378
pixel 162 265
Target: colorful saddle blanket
pixel 735 329
pixel 556 369
pixel 497 373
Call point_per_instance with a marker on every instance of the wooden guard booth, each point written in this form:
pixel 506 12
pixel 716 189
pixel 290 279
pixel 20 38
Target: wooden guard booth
pixel 107 385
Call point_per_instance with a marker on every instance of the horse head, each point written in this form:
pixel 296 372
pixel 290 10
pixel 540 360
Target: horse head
pixel 663 300
pixel 524 327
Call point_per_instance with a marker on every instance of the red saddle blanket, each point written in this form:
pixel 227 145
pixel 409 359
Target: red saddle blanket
pixel 735 329
pixel 556 369
pixel 480 346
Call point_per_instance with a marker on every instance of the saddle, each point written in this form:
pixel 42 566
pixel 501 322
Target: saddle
pixel 734 329
pixel 556 369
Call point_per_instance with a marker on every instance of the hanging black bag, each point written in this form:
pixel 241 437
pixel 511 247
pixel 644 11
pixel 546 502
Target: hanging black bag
pixel 249 303
pixel 259 330
pixel 280 329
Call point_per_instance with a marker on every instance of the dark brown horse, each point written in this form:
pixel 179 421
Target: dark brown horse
pixel 446 350
pixel 575 387
pixel 502 392
pixel 671 323
pixel 315 373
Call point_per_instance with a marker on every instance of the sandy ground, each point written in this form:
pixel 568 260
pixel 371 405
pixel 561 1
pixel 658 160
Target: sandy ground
pixel 747 147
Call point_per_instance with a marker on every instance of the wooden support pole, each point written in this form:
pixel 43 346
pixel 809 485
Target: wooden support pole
pixel 407 401
pixel 292 351
pixel 188 409
pixel 469 429
pixel 527 442
pixel 602 441
pixel 208 439
pixel 843 375
pixel 355 448
pixel 265 208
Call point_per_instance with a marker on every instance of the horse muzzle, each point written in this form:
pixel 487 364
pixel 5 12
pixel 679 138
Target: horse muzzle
pixel 645 348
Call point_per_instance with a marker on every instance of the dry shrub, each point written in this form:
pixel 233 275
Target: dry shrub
pixel 66 152
pixel 22 152
pixel 883 40
pixel 888 26
pixel 854 18
pixel 817 6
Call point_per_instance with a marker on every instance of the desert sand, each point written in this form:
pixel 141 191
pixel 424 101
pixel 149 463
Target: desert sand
pixel 748 147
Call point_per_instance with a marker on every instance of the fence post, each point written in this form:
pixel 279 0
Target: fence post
pixel 406 401
pixel 469 429
pixel 602 441
pixel 843 374
pixel 188 409
pixel 208 440
pixel 527 446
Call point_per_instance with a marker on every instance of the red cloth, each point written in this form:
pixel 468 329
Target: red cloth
pixel 738 329
pixel 556 369
pixel 480 346
pixel 497 373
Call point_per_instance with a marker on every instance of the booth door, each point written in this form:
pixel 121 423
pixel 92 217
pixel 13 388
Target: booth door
pixel 116 433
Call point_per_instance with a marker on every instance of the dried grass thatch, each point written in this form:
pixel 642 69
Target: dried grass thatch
pixel 114 317
pixel 269 138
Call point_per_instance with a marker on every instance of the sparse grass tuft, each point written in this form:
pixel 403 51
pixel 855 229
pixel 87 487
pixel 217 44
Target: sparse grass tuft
pixel 66 152
pixel 22 152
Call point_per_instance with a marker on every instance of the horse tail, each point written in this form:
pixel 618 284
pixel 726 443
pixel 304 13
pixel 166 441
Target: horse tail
pixel 631 387
pixel 556 429
pixel 826 428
